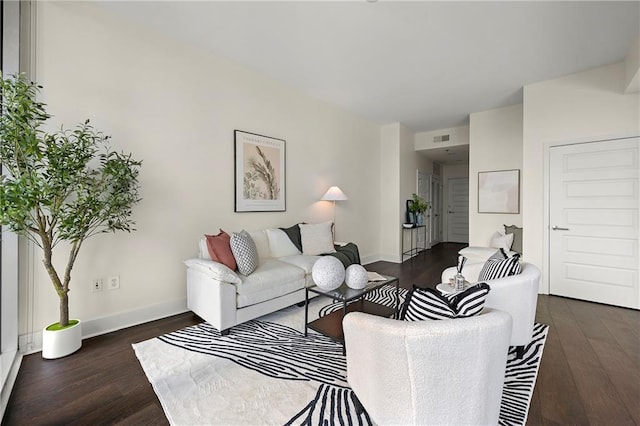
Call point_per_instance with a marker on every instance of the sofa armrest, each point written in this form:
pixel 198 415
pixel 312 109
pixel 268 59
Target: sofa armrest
pixel 214 269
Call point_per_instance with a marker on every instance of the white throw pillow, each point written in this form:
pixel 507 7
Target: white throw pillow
pixel 501 241
pixel 316 238
pixel 203 251
pixel 280 244
pixel 477 252
pixel 262 243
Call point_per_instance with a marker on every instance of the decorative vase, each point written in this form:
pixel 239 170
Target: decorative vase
pixel 356 276
pixel 328 273
pixel 458 283
pixel 61 342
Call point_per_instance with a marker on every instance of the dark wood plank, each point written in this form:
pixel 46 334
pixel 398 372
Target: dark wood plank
pixel 600 400
pixel 589 372
pixel 555 386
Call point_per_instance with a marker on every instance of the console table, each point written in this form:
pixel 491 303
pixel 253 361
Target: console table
pixel 414 248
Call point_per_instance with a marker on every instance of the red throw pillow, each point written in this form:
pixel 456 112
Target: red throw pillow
pixel 219 247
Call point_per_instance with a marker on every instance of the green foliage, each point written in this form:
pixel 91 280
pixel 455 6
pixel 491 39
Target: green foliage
pixel 419 204
pixel 62 186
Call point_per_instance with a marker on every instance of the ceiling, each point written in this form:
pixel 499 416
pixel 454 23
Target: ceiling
pixel 451 155
pixel 424 64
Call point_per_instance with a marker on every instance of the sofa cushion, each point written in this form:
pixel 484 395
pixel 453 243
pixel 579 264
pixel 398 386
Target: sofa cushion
pixel 480 254
pixel 501 241
pixel 494 269
pixel 219 248
pixel 317 238
pixel 262 243
pixel 293 232
pixel 271 279
pixel 203 251
pixel 517 237
pixel 303 262
pixel 245 252
pixel 280 244
pixel 427 303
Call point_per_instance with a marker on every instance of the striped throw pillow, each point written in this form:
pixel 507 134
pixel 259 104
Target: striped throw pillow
pixel 494 269
pixel 427 303
pixel 499 255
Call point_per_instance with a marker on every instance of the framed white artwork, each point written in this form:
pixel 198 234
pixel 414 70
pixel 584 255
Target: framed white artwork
pixel 499 191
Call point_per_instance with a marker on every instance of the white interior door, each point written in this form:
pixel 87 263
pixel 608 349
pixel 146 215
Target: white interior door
pixel 593 216
pixel 435 236
pixel 458 210
pixel 424 191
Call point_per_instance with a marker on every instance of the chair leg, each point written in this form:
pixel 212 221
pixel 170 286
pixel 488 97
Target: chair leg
pixel 519 352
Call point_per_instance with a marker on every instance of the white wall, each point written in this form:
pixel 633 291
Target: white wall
pixel 410 163
pixel 175 107
pixel 495 144
pixel 457 136
pixel 589 105
pixel 399 165
pixel 390 215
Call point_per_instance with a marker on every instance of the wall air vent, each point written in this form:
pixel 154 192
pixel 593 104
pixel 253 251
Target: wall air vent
pixel 441 138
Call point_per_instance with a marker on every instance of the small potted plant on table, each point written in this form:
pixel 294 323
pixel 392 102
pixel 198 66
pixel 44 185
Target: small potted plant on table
pixel 418 207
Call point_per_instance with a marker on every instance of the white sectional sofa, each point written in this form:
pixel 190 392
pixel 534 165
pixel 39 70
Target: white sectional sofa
pixel 225 298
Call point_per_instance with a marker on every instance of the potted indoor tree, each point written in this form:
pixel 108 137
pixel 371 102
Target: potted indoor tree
pixel 57 190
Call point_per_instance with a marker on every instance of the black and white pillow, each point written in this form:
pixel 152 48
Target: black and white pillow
pixel 427 303
pixel 245 251
pixel 494 269
pixel 499 255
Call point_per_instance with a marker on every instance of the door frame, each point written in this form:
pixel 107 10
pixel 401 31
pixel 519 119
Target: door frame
pixel 427 219
pixel 437 230
pixel 546 203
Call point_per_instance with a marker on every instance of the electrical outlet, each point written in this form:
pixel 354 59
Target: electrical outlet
pixel 113 283
pixel 96 285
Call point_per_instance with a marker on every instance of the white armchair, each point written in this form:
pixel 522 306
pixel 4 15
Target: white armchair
pixel 517 295
pixel 447 372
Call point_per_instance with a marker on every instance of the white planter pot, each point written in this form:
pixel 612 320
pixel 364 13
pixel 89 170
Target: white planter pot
pixel 59 343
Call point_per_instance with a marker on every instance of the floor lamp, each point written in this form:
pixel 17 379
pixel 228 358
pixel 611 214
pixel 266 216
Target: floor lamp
pixel 334 194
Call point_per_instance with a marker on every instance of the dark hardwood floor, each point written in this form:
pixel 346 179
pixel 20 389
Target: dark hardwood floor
pixel 590 371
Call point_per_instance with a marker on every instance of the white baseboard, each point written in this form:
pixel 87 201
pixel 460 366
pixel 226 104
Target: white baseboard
pixel 394 258
pixel 98 326
pixel 369 259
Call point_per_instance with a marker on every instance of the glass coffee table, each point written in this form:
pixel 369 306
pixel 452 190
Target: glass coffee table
pixel 352 300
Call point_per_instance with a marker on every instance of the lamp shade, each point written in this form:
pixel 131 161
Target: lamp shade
pixel 334 194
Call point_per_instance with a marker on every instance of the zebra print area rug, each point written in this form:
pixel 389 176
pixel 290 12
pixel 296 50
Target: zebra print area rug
pixel 266 372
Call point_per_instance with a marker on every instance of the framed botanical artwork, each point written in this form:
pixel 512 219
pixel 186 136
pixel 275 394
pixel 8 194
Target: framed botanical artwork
pixel 499 191
pixel 260 184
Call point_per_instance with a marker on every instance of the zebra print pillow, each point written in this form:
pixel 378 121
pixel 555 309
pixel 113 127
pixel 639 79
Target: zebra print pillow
pixel 494 269
pixel 499 255
pixel 427 303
